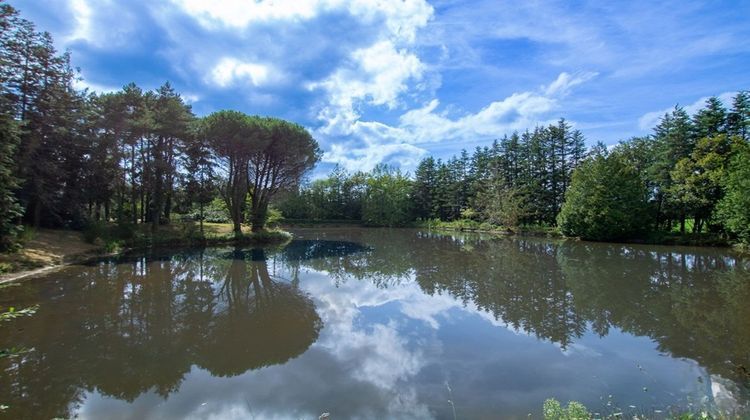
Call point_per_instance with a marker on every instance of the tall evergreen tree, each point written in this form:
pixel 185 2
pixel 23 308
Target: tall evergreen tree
pixel 10 209
pixel 199 172
pixel 171 119
pixel 711 119
pixel 674 140
pixel 424 190
pixel 738 119
pixel 734 208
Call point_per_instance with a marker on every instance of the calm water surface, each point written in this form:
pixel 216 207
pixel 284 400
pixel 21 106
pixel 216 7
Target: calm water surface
pixel 382 324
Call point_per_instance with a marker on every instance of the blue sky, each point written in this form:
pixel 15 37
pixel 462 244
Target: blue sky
pixel 395 80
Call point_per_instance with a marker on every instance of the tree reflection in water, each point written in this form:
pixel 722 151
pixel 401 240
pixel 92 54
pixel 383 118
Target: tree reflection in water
pixel 128 327
pixel 692 302
pixel 124 328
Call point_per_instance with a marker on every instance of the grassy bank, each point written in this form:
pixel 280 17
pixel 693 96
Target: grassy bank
pixel 468 225
pixel 302 223
pixel 653 238
pixel 48 248
pixel 114 237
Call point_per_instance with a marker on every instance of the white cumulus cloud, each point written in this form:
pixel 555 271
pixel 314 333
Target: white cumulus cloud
pixel 367 143
pixel 231 70
pixel 378 75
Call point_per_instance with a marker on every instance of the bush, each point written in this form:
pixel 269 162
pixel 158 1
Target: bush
pixel 606 201
pixel 214 212
pixel 93 231
pixel 574 411
pixel 274 217
pixel 502 206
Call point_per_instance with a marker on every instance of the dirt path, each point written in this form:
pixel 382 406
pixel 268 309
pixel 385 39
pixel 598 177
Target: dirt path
pixel 47 250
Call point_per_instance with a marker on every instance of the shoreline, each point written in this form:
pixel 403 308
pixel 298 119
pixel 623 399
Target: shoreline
pixel 258 238
pixel 663 239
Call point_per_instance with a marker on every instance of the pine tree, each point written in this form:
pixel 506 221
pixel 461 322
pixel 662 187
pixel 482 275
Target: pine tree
pixel 424 189
pixel 674 140
pixel 710 120
pixel 734 208
pixel 10 209
pixel 738 119
pixel 171 120
pixel 199 170
pixel 697 180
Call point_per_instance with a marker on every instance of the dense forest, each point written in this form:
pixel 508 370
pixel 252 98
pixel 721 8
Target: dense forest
pixel 70 158
pixel 691 175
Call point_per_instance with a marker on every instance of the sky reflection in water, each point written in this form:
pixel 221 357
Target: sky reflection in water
pixel 371 323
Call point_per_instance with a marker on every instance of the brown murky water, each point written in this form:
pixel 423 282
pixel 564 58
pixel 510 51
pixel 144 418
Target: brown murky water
pixel 379 323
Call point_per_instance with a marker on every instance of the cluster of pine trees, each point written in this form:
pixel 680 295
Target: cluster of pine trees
pixel 519 179
pixel 691 174
pixel 523 177
pixel 691 170
pixel 69 157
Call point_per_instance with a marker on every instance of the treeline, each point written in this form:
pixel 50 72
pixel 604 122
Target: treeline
pixel 70 157
pixel 692 174
pixel 691 170
pixel 488 185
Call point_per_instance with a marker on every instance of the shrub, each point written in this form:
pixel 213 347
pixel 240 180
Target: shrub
pixel 574 411
pixel 606 201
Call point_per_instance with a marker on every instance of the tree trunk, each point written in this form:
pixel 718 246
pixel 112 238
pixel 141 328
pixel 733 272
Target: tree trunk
pixel 682 222
pixel 37 213
pixel 201 218
pixel 259 212
pixel 133 189
pixel 168 208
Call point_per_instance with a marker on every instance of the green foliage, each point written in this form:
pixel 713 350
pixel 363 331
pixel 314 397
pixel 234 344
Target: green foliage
pixel 13 313
pixel 697 180
pixel 70 157
pixel 710 120
pixel 502 206
pixel 9 315
pixel 738 119
pixel 336 197
pixel 274 217
pixel 214 212
pixel 261 157
pixel 94 231
pixel 734 208
pixel 458 224
pixel 606 201
pixel 10 209
pixel 387 200
pixel 425 189
pixel 552 410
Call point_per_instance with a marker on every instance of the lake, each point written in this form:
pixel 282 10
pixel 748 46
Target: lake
pixel 382 323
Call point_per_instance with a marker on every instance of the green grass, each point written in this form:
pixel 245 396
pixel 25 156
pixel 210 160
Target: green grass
pixel 653 238
pixel 5 267
pixel 320 223
pixel 553 410
pixel 469 225
pixel 116 237
pixel 688 239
